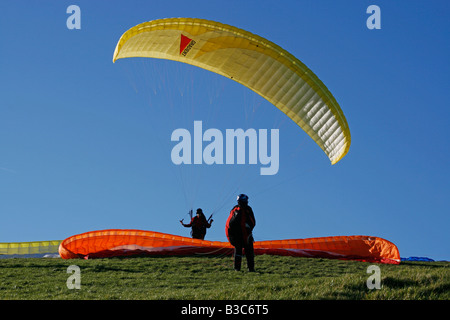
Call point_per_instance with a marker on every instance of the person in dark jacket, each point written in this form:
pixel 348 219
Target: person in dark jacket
pixel 239 227
pixel 199 224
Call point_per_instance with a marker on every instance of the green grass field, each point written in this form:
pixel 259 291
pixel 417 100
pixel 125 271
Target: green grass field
pixel 213 278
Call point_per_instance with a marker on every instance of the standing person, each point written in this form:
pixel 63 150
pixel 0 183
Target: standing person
pixel 199 224
pixel 239 227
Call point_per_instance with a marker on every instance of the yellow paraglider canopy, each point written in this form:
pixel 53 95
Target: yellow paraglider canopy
pixel 29 248
pixel 251 60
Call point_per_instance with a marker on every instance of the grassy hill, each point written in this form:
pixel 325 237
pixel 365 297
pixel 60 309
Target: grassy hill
pixel 213 278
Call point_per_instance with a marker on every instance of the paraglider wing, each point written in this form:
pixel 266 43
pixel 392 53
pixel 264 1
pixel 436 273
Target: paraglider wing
pixel 29 248
pixel 251 60
pixel 126 242
pixel 118 242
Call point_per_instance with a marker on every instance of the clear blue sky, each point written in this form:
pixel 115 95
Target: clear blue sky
pixel 85 143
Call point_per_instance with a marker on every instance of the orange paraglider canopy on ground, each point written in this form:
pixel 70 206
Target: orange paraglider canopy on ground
pixel 118 242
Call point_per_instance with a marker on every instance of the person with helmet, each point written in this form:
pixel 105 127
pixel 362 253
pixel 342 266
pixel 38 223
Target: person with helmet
pixel 239 227
pixel 199 224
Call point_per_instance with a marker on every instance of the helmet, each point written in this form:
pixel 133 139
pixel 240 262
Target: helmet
pixel 199 210
pixel 242 198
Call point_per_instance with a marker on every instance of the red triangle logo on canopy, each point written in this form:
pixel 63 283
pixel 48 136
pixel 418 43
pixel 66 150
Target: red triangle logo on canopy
pixel 184 42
